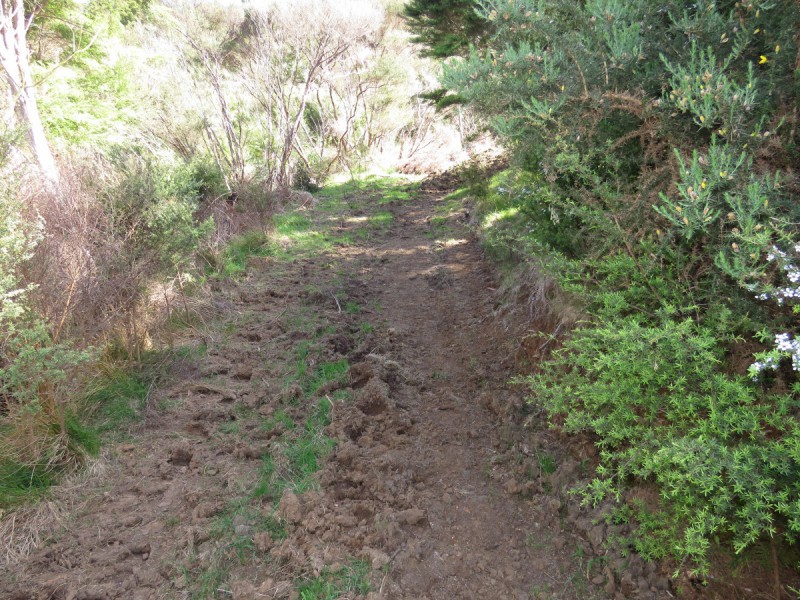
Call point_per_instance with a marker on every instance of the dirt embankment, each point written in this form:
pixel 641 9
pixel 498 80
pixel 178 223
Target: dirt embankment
pixel 348 432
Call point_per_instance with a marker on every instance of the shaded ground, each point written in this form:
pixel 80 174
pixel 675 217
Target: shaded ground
pixel 341 431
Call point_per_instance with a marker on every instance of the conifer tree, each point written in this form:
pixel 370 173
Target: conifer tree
pixel 446 27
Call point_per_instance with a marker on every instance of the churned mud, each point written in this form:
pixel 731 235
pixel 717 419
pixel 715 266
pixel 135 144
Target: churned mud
pixel 345 429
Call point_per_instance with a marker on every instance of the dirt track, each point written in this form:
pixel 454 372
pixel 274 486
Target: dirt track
pixel 423 487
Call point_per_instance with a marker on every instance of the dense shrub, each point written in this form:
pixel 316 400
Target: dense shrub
pixel 38 434
pixel 658 141
pixel 722 452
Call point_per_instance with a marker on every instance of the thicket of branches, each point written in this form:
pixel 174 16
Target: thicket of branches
pixel 137 135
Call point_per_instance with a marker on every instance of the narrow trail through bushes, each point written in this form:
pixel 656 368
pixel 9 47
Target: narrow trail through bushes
pixel 339 431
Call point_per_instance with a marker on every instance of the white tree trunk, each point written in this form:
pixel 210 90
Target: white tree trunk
pixel 14 58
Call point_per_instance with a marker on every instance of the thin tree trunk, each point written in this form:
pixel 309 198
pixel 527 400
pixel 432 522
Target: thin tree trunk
pixel 14 57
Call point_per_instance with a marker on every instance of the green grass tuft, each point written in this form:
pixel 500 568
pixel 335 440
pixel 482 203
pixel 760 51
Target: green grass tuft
pixel 330 585
pixel 242 247
pixel 117 399
pixel 21 484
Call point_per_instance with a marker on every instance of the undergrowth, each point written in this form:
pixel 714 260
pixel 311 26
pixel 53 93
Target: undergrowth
pixel 653 204
pixel 653 383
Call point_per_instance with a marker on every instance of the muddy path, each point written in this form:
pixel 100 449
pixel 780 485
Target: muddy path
pixel 339 429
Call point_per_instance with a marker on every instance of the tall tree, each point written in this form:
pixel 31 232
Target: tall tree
pixel 446 27
pixel 15 61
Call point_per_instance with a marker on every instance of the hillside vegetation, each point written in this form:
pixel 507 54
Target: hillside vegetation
pixel 139 138
pixel 654 185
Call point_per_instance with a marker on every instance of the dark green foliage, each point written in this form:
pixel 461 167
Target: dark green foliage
pixel 723 455
pixel 151 210
pixel 445 27
pixel 648 144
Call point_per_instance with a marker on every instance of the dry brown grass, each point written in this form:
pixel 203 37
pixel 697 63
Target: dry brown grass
pixel 95 286
pixel 550 313
pixel 25 529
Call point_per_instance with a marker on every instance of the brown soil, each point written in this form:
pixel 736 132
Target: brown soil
pixel 430 481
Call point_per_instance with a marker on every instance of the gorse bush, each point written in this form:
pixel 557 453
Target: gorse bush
pixel 151 210
pixel 656 147
pixel 722 452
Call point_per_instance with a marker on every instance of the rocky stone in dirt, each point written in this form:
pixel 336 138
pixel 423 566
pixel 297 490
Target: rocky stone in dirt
pixel 411 516
pixel 373 398
pixel 596 537
pixel 610 584
pixel 180 455
pixel 290 508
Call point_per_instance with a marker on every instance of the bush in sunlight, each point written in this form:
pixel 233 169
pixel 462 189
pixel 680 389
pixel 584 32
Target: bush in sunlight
pixel 661 145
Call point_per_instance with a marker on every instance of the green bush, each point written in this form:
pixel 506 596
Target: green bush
pixel 151 207
pixel 649 143
pixel 18 238
pixel 39 433
pixel 723 453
